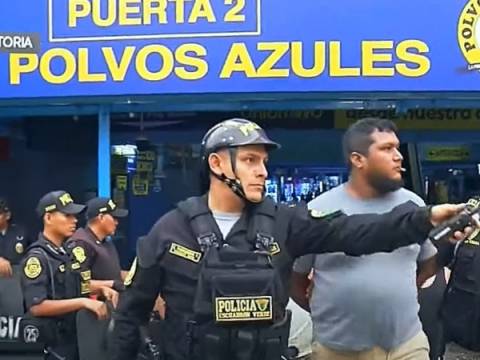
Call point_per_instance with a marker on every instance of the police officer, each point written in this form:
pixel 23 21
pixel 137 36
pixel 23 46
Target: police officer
pixel 91 246
pixel 222 261
pixel 13 241
pixel 54 286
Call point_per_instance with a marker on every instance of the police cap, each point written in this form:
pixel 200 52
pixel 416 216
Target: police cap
pixel 103 205
pixel 58 201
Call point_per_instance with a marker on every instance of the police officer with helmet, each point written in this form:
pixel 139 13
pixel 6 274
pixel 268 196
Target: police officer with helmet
pixel 222 261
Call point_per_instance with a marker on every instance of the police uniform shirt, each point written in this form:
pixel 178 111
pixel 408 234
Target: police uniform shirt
pixel 100 257
pixel 44 273
pixel 13 244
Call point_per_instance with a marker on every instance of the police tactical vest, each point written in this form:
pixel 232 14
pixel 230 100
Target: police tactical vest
pixel 461 307
pixel 66 282
pixel 240 295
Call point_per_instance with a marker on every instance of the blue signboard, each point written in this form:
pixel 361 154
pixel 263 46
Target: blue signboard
pixel 56 48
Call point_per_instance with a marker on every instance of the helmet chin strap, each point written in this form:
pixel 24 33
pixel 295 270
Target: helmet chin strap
pixel 234 184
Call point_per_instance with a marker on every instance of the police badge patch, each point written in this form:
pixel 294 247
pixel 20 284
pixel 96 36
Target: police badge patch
pixel 79 254
pixel 33 268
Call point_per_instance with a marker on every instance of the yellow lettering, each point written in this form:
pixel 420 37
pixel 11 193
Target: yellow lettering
pixel 238 60
pixel 370 57
pixel 200 65
pixel 415 57
pixel 318 61
pixel 21 64
pixel 202 9
pixel 233 15
pixel 149 10
pixel 125 9
pixel 179 11
pixel 118 70
pixel 83 69
pixel 97 13
pixel 65 199
pixel 278 49
pixel 166 67
pixel 77 9
pixel 68 72
pixel 336 68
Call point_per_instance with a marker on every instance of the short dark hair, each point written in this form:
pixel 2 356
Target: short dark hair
pixel 357 137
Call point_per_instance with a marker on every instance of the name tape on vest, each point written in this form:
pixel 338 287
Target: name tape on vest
pixel 185 253
pixel 248 308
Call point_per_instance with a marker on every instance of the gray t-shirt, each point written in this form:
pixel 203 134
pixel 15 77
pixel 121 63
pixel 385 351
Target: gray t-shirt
pixel 225 221
pixel 361 302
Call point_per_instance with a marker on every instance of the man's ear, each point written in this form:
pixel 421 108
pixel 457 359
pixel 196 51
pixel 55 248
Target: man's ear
pixel 47 217
pixel 357 160
pixel 214 162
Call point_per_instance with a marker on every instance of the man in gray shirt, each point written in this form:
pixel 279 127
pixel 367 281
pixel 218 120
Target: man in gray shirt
pixel 366 308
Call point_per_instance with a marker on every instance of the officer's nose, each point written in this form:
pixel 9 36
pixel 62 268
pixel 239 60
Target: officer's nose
pixel 398 155
pixel 262 171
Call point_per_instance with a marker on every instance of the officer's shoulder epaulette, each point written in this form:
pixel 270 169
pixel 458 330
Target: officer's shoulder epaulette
pixel 325 215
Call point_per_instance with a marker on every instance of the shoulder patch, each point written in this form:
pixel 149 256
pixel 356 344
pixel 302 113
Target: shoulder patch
pixel 131 273
pixel 79 254
pixel 33 268
pixel 185 253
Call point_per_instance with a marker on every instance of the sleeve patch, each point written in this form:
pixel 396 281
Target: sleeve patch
pixel 33 268
pixel 79 254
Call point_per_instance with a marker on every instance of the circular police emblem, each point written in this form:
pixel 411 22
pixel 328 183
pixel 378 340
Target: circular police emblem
pixel 129 279
pixel 30 334
pixel 468 34
pixel 33 268
pixel 79 254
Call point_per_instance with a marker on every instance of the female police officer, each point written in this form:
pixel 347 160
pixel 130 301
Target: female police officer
pixel 222 261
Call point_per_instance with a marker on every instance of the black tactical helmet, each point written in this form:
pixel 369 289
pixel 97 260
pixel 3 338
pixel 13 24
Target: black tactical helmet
pixel 230 134
pixel 233 133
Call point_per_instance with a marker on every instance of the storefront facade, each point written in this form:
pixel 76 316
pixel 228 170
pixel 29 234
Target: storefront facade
pixel 120 62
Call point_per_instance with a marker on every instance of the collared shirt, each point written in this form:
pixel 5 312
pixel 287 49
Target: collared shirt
pixel 99 256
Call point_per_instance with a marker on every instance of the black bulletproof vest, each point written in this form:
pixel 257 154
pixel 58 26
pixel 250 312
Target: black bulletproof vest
pixel 236 286
pixel 461 306
pixel 66 281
